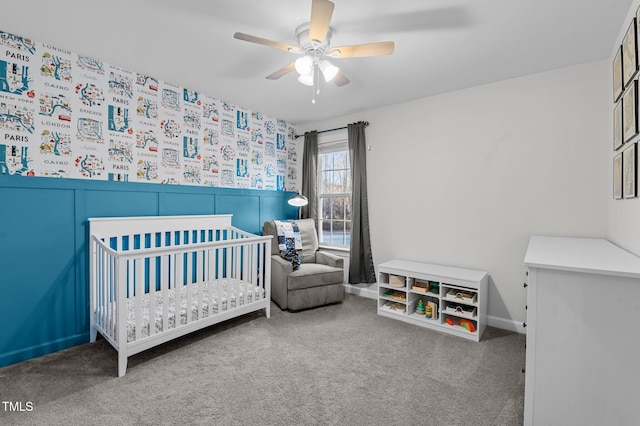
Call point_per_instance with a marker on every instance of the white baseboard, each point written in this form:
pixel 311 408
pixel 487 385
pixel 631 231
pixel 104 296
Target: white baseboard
pixel 370 291
pixel 506 324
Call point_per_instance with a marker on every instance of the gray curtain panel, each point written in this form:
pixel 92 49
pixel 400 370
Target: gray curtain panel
pixel 310 175
pixel 361 268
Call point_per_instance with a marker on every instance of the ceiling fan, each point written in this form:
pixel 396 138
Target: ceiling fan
pixel 314 44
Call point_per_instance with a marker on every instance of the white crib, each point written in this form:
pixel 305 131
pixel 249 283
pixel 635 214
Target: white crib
pixel 156 278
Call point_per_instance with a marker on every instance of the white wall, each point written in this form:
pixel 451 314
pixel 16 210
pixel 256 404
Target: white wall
pixel 465 178
pixel 623 225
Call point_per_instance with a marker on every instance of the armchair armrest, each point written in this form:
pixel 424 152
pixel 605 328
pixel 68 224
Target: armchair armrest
pixel 282 264
pixel 329 259
pixel 280 270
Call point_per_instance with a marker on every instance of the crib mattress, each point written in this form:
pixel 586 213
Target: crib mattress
pixel 230 291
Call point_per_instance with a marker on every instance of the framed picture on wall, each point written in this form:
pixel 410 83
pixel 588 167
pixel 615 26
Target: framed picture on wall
pixel 629 53
pixel 617 75
pixel 629 112
pixel 617 176
pixel 629 172
pixel 617 125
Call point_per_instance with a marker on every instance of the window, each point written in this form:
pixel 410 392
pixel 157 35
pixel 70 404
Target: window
pixel 334 194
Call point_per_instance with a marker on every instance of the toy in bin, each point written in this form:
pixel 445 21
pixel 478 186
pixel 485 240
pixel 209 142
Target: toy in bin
pixel 468 325
pixel 464 323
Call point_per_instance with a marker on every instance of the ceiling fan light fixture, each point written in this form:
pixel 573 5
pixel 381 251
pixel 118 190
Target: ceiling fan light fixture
pixel 314 46
pixel 306 79
pixel 329 71
pixel 304 65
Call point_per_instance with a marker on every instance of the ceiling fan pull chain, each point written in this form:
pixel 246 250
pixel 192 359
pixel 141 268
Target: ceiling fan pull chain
pixel 313 96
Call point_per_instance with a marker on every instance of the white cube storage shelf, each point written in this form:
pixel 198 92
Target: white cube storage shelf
pixel 457 296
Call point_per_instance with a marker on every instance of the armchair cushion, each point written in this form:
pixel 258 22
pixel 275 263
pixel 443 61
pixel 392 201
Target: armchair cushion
pixel 314 275
pixel 309 240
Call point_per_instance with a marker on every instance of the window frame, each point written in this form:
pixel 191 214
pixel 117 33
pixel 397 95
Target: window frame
pixel 336 142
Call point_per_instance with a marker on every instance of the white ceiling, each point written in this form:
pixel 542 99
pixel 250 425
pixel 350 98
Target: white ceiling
pixel 440 45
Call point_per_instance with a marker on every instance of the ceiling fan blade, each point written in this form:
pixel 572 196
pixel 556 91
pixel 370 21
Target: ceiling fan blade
pixel 340 79
pixel 321 11
pixel 282 71
pixel 370 49
pixel 265 42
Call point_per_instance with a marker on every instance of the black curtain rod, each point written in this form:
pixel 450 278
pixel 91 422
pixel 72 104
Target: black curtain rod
pixel 366 123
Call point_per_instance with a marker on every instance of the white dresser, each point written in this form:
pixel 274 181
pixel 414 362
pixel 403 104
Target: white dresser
pixel 583 333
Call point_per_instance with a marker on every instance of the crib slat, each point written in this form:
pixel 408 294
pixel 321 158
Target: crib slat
pixel 98 277
pixel 113 296
pixel 104 288
pixel 221 255
pixel 159 241
pixel 230 253
pixel 152 294
pixel 178 284
pixel 106 301
pixel 210 278
pixel 99 311
pixel 258 281
pixel 138 267
pixel 120 284
pixel 238 277
pixel 165 283
pixel 189 283
pixel 265 271
pixel 242 288
pixel 107 295
pixel 103 280
pixel 232 273
pixel 199 280
pixel 248 259
pixel 247 278
pixel 254 271
pixel 237 267
pixel 232 287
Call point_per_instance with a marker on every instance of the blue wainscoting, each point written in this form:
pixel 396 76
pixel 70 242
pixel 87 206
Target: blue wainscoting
pixel 44 285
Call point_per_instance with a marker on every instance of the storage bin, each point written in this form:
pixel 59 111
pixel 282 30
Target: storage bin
pixel 396 281
pixel 462 296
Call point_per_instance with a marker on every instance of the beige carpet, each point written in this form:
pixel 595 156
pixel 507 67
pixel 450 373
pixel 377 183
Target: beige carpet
pixel 336 365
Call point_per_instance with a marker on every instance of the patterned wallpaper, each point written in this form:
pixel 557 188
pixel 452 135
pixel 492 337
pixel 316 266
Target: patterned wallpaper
pixel 72 116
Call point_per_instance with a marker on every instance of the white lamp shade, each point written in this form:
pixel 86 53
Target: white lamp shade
pixel 298 200
pixel 328 70
pixel 306 79
pixel 304 65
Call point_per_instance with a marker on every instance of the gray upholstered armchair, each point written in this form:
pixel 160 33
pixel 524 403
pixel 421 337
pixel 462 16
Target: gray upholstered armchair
pixel 317 282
